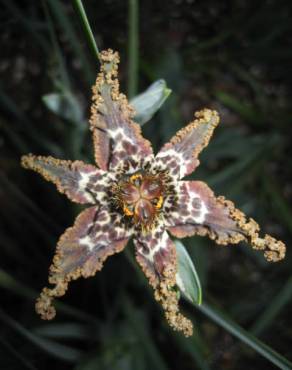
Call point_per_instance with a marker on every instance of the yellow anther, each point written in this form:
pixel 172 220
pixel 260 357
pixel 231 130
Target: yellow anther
pixel 135 177
pixel 159 203
pixel 127 212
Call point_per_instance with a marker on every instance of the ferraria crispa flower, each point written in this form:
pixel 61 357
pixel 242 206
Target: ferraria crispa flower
pixel 134 194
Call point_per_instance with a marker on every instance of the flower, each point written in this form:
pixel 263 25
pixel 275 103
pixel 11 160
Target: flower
pixel 133 193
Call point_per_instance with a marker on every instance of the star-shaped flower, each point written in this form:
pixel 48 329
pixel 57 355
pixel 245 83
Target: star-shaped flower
pixel 133 193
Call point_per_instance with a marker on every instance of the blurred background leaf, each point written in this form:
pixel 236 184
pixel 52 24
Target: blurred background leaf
pixel 187 277
pixel 148 103
pixel 63 105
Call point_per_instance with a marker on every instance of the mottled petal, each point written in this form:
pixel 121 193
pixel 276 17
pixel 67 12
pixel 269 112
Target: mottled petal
pixel 199 212
pixel 116 137
pixel 180 155
pixel 81 251
pixel 82 183
pixel 156 254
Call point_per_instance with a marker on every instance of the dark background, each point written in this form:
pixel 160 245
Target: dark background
pixel 233 56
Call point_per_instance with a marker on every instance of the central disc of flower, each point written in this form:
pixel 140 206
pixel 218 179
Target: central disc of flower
pixel 140 196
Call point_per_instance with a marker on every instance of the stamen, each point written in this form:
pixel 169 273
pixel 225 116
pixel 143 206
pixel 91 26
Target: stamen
pixel 140 197
pixel 127 211
pixel 159 203
pixel 136 177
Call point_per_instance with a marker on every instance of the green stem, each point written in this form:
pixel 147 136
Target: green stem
pixel 245 337
pixel 79 8
pixel 133 47
pixel 63 72
pixel 273 309
pixel 58 10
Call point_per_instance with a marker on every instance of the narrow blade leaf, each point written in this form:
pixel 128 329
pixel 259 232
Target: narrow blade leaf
pixel 187 278
pixel 63 105
pixel 147 103
pixel 244 336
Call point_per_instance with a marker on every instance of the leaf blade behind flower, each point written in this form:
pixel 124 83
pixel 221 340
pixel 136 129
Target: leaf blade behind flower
pixel 149 102
pixel 187 278
pixel 244 336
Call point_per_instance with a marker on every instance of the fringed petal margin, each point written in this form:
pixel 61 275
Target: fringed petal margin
pixel 81 251
pixel 116 137
pixel 180 155
pixel 82 183
pixel 199 212
pixel 156 254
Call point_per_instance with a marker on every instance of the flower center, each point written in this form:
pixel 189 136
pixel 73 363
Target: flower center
pixel 140 197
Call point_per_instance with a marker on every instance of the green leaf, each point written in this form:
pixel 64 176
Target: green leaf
pixel 268 315
pixel 147 103
pixel 225 322
pixel 9 283
pixel 66 23
pixel 15 352
pixel 187 278
pixel 79 8
pixel 244 109
pixel 64 105
pixel 138 323
pixel 57 350
pixel 133 46
pixel 68 330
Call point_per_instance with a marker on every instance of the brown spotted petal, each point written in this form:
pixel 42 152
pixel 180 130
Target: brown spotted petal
pixel 180 155
pixel 82 183
pixel 81 251
pixel 116 137
pixel 156 254
pixel 199 212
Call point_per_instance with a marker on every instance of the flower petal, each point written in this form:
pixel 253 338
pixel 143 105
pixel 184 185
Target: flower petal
pixel 82 183
pixel 199 212
pixel 156 254
pixel 81 251
pixel 116 137
pixel 180 155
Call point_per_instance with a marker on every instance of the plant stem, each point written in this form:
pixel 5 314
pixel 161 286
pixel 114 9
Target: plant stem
pixel 133 48
pixel 273 309
pixel 245 337
pixel 79 8
pixel 59 12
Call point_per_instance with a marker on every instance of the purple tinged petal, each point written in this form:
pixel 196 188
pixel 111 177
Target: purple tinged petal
pixel 199 212
pixel 180 155
pixel 82 183
pixel 81 251
pixel 116 137
pixel 156 254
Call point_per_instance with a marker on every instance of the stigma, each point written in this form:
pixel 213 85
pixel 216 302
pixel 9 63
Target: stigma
pixel 140 197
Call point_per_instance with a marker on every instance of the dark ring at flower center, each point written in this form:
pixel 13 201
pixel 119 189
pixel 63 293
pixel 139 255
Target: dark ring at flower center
pixel 140 197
